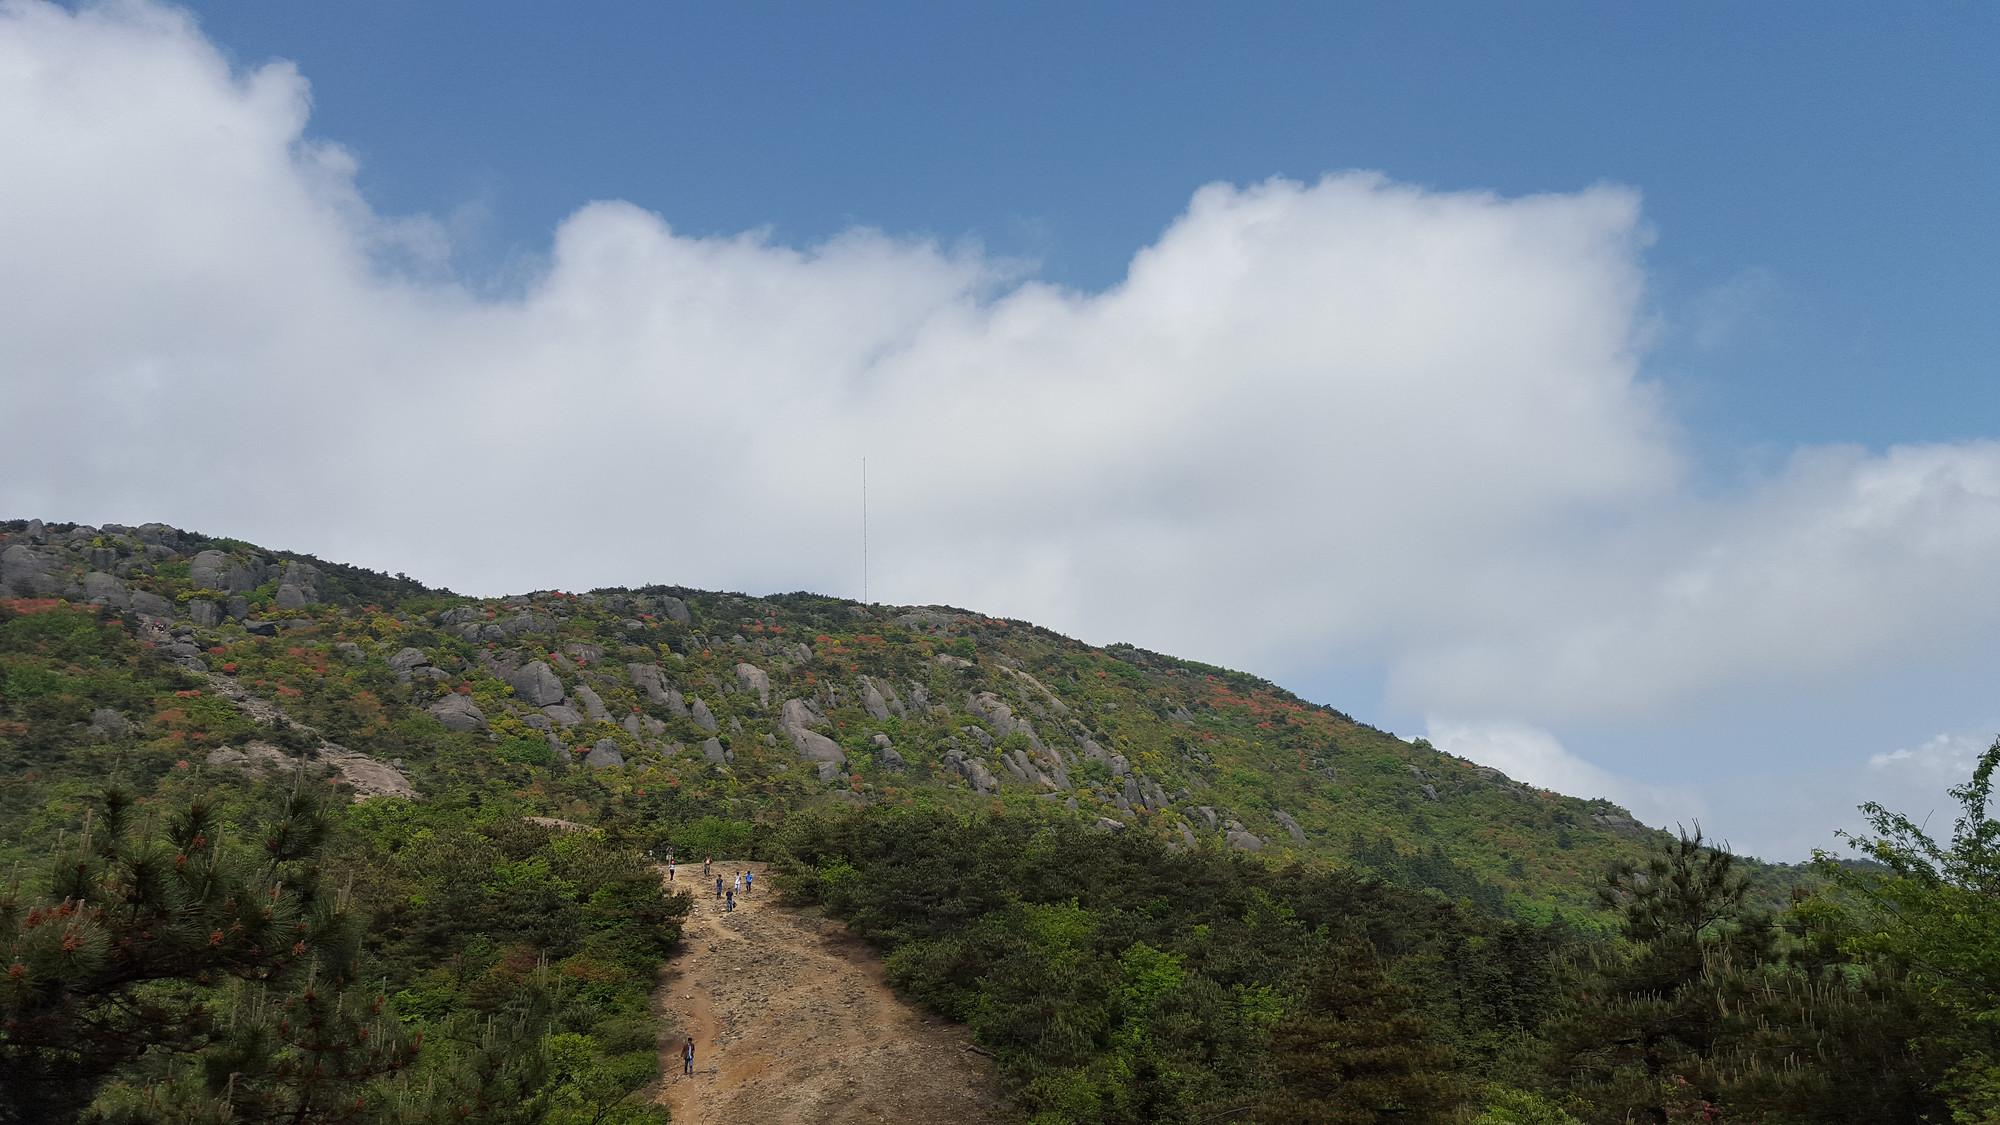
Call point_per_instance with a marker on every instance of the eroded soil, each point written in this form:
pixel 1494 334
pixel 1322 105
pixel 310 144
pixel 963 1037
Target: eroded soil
pixel 793 1023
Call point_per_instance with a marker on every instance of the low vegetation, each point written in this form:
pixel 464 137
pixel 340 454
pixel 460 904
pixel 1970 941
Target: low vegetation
pixel 1155 890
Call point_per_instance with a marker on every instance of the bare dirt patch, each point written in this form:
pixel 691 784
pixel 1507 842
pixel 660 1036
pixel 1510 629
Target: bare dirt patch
pixel 793 1023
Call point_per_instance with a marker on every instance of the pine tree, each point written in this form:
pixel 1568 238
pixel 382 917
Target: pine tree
pixel 1354 1052
pixel 225 971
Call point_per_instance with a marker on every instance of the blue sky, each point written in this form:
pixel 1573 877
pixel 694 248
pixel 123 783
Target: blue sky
pixel 1601 390
pixel 1819 176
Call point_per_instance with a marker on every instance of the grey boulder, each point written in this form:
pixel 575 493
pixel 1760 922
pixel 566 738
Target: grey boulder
pixel 1290 826
pixel 536 683
pixel 604 755
pixel 144 602
pixel 592 705
pixel 563 713
pixel 108 724
pixel 811 745
pixel 103 589
pixel 703 717
pixel 872 701
pixel 1240 837
pixel 714 751
pixel 749 677
pixel 458 712
pixel 204 613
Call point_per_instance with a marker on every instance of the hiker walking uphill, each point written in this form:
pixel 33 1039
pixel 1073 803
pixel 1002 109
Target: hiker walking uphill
pixel 718 886
pixel 687 1057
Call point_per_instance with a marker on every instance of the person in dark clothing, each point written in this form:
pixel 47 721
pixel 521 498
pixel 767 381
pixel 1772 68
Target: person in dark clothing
pixel 730 904
pixel 718 886
pixel 687 1057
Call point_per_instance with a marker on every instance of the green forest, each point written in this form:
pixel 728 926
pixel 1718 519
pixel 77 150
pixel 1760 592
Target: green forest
pixel 289 840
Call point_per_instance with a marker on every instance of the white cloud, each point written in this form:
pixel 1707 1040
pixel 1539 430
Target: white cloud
pixel 1344 421
pixel 1531 754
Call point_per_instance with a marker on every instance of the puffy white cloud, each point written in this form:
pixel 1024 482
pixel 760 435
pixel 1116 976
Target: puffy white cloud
pixel 1348 421
pixel 1531 754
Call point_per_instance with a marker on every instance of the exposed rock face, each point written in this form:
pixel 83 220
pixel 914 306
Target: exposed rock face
pixel 259 759
pixel 1106 824
pixel 646 678
pixel 811 745
pixel 348 650
pixel 536 683
pixel 714 751
pixel 407 660
pixel 592 705
pixel 103 589
pixel 107 724
pixel 458 712
pixel 987 706
pixel 152 604
pixel 872 701
pixel 673 609
pixel 1119 766
pixel 702 716
pixel 1290 826
pixel 210 571
pixel 369 777
pixel 604 755
pixel 1187 834
pixel 204 613
pixel 1208 815
pixel 972 770
pixel 583 653
pixel 563 713
pixel 752 678
pixel 892 761
pixel 1240 837
pixel 24 571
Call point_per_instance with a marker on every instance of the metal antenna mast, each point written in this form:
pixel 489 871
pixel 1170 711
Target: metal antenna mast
pixel 864 532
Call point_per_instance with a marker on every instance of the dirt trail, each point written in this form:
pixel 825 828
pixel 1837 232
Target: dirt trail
pixel 793 1023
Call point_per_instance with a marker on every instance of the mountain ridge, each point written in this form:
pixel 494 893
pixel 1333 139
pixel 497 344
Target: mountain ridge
pixel 783 701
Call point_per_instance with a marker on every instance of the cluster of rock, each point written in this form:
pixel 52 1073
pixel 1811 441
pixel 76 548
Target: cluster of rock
pixel 99 566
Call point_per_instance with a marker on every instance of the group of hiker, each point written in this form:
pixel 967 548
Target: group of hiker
pixel 727 892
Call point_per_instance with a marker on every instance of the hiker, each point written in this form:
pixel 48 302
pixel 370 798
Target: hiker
pixel 737 883
pixel 730 903
pixel 718 886
pixel 705 861
pixel 747 876
pixel 687 1057
pixel 670 871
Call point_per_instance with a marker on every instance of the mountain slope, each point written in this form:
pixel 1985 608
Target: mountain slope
pixel 749 705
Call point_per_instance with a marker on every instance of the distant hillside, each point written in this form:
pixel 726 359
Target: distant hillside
pixel 755 704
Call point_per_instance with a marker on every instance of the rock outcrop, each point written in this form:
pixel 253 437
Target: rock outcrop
pixel 793 719
pixel 536 683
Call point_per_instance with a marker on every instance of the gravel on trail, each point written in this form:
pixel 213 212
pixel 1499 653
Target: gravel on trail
pixel 794 1025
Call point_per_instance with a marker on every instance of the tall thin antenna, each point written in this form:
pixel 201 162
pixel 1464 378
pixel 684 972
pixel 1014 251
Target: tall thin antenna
pixel 864 532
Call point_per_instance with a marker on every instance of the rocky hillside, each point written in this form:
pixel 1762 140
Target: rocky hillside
pixel 269 663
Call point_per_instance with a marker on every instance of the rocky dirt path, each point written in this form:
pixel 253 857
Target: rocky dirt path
pixel 793 1025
